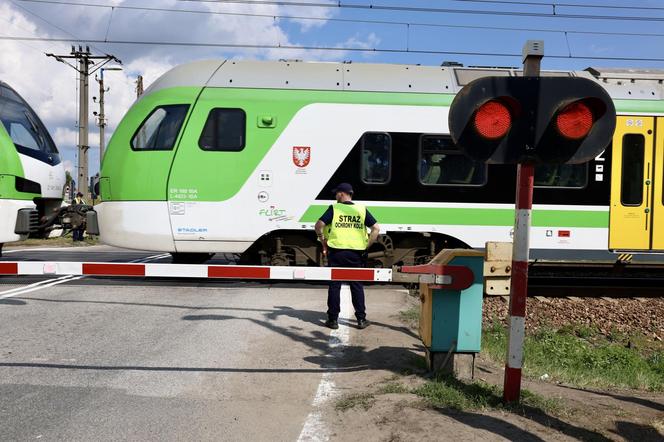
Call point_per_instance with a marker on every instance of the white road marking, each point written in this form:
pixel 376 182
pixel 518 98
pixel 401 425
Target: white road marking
pixel 314 428
pixel 43 286
pixel 62 279
pixel 30 285
pixel 77 249
pixel 44 249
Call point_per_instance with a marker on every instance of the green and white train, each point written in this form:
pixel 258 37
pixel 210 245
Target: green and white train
pixel 239 156
pixel 32 176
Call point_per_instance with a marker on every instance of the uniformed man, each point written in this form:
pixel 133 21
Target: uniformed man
pixel 346 245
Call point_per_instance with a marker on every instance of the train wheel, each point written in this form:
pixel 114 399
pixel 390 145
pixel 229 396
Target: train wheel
pixel 191 258
pixel 381 253
pixel 282 259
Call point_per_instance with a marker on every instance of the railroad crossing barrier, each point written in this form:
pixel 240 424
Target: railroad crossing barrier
pixel 451 291
pixel 450 277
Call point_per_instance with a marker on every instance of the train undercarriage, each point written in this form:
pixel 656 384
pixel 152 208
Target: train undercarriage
pixel 297 248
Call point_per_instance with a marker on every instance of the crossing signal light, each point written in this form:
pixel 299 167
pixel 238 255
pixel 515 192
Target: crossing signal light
pixel 493 120
pixel 575 120
pixel 507 120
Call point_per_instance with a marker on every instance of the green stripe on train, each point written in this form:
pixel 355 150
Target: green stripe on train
pixel 474 217
pixel 641 106
pixel 10 168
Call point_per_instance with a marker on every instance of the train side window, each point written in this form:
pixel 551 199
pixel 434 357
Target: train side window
pixel 376 161
pixel 224 130
pixel 441 163
pixel 566 176
pixel 160 129
pixel 633 158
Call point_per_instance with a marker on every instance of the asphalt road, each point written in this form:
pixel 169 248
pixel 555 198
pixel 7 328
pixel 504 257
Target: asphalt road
pixel 89 361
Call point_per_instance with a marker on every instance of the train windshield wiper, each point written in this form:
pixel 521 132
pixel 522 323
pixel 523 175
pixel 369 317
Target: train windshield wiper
pixel 35 128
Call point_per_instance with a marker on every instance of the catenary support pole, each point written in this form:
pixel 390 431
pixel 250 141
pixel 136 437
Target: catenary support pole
pixel 139 86
pixel 102 117
pixel 533 52
pixel 85 59
pixel 83 118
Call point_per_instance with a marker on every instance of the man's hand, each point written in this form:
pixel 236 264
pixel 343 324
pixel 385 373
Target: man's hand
pixel 373 235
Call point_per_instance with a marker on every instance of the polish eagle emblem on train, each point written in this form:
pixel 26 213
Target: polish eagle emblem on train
pixel 301 155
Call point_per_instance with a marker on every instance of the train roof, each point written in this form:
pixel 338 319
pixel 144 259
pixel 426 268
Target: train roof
pixel 364 77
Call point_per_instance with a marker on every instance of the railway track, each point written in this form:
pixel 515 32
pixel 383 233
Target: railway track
pixel 596 279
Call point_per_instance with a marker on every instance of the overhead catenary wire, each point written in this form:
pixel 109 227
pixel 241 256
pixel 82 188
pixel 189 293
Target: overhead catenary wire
pixel 320 48
pixel 335 19
pixel 22 42
pixel 46 21
pixel 379 7
pixel 556 4
pixel 339 5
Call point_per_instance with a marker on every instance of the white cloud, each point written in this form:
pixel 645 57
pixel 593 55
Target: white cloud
pixel 370 42
pixel 51 87
pixel 321 13
pixel 68 165
pixel 65 136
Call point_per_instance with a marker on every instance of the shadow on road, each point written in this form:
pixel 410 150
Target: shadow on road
pixel 323 358
pixel 635 400
pixel 8 301
pixel 508 430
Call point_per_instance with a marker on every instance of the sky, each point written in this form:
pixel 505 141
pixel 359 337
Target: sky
pixel 581 33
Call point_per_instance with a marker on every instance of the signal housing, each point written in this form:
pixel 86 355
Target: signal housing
pixel 553 120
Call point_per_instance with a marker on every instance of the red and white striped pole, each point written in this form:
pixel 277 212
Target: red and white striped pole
pixel 532 55
pixel 519 290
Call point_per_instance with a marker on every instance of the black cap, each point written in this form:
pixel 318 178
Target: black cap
pixel 343 187
pixel 79 194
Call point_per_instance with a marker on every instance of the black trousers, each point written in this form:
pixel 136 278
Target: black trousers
pixel 77 234
pixel 345 258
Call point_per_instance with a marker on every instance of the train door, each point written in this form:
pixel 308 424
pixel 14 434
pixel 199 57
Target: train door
pixel 658 194
pixel 637 209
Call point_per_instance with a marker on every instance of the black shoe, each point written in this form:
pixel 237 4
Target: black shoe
pixel 332 323
pixel 362 323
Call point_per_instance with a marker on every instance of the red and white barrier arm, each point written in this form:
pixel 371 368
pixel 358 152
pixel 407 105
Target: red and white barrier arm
pixel 452 277
pixel 147 270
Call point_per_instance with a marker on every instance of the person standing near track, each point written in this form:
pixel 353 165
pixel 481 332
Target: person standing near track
pixel 77 231
pixel 346 246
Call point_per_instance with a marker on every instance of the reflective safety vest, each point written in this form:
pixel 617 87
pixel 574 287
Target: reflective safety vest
pixel 347 230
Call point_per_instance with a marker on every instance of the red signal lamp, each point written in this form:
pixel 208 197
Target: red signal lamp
pixel 493 120
pixel 575 120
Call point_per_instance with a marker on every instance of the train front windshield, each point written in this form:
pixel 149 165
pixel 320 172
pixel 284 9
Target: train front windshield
pixel 24 127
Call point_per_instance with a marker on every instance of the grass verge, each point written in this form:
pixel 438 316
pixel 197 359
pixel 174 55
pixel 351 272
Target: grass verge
pixel 410 316
pixel 364 400
pixel 393 387
pixel 448 392
pixel 582 358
